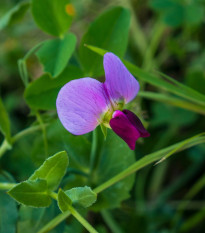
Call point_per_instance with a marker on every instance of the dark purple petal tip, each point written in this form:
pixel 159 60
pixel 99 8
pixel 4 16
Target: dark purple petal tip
pixel 128 126
pixel 137 123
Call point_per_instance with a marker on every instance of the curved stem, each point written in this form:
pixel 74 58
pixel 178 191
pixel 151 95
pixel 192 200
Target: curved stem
pixel 82 220
pixel 43 127
pixel 148 159
pixel 4 147
pixel 26 132
pixel 93 153
pixel 54 222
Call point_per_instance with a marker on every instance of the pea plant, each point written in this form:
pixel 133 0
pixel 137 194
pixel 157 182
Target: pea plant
pixel 101 116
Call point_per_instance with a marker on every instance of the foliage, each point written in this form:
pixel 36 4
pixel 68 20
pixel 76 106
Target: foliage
pixel 48 174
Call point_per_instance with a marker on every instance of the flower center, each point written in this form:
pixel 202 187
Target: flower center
pixel 107 116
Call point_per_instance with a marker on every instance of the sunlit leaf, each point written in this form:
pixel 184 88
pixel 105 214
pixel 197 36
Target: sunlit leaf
pixel 42 93
pixel 31 193
pixel 52 170
pixel 52 16
pixel 109 31
pixel 82 196
pixel 55 54
pixel 64 202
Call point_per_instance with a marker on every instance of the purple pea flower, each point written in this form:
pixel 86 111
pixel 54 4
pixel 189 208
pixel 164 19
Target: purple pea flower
pixel 85 103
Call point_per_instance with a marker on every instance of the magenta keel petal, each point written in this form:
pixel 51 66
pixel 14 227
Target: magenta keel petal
pixel 120 83
pixel 123 128
pixel 127 127
pixel 136 123
pixel 80 104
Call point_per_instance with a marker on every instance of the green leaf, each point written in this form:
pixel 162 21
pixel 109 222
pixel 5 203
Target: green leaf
pixel 51 16
pixel 42 93
pixel 108 31
pixel 174 17
pixel 31 193
pixel 52 170
pixel 194 14
pixel 14 15
pixel 4 122
pixel 82 196
pixel 60 139
pixel 115 156
pixel 159 5
pixel 8 208
pixel 55 54
pixel 64 202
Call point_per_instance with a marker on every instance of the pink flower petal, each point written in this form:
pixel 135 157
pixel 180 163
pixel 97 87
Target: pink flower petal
pixel 80 104
pixel 124 128
pixel 128 126
pixel 120 83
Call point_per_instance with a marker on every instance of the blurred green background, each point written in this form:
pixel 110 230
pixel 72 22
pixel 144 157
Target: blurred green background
pixel 168 197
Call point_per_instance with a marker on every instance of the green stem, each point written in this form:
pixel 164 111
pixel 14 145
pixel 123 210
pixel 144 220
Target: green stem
pixel 148 159
pixel 54 222
pixel 26 132
pixel 136 166
pixel 43 127
pixel 93 152
pixel 54 195
pixel 6 186
pixel 4 147
pixel 82 220
pixel 76 215
pixel 110 222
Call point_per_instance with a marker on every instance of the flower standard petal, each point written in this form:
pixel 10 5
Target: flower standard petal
pixel 120 83
pixel 80 104
pixel 121 125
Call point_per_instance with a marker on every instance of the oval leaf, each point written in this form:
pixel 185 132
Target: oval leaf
pixel 42 93
pixel 82 196
pixel 55 54
pixel 31 193
pixel 52 170
pixel 64 202
pixel 52 16
pixel 109 31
